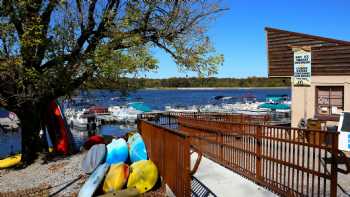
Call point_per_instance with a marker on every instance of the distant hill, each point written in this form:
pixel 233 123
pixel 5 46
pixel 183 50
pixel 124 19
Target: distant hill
pixel 140 83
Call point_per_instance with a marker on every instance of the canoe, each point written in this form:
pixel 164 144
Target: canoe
pixel 117 151
pixel 95 156
pixel 93 182
pixel 143 176
pixel 116 177
pixel 137 148
pixel 10 161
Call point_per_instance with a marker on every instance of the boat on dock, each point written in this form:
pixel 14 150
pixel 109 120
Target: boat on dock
pixel 279 103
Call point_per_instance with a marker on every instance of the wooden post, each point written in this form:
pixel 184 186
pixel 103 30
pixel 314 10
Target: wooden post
pixel 221 141
pixel 334 165
pixel 169 121
pixel 258 152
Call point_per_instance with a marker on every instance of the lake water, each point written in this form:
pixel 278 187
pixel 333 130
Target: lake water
pixel 156 99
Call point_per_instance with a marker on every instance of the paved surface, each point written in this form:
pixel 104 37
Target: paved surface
pixel 223 182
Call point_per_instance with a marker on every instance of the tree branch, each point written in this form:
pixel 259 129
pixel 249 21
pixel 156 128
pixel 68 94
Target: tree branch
pixel 85 34
pixel 88 31
pixel 78 2
pixel 13 17
pixel 46 15
pixel 156 42
pixel 44 21
pixel 98 34
pixel 195 20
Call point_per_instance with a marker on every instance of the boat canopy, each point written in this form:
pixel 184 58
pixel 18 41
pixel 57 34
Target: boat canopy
pixel 274 106
pixel 277 98
pixel 140 106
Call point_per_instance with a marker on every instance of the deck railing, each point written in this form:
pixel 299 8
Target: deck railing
pixel 288 161
pixel 170 150
pixel 170 118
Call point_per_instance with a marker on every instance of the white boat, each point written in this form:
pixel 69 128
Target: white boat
pixel 76 119
pixel 124 114
pixel 191 109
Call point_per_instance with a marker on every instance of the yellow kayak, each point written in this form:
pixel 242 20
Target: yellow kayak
pixel 129 192
pixel 143 175
pixel 116 177
pixel 10 161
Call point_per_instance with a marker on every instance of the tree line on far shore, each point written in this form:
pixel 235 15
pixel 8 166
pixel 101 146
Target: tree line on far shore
pixel 125 84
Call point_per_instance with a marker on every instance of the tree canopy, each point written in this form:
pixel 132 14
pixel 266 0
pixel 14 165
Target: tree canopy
pixel 50 47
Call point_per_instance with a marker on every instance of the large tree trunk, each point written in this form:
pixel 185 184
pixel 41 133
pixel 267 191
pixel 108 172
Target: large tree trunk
pixel 30 122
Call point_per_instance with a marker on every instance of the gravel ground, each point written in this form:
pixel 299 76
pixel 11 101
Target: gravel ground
pixel 56 174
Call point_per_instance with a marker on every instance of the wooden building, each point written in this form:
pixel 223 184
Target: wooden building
pixel 321 82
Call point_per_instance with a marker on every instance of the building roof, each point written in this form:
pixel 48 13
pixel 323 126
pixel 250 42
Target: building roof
pixel 309 36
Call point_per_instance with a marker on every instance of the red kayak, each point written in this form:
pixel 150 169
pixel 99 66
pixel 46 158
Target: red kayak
pixel 95 139
pixel 61 141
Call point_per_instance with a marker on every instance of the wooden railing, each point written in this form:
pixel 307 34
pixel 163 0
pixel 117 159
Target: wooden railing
pixel 170 150
pixel 170 118
pixel 288 161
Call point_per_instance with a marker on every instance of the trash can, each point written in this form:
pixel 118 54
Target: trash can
pixel 328 139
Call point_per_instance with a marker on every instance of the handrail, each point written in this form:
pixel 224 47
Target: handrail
pixel 177 132
pixel 267 126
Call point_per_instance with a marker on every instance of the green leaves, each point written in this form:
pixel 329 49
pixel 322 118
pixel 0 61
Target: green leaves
pixel 115 64
pixel 49 48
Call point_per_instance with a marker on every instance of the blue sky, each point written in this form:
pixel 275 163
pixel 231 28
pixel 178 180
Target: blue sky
pixel 239 33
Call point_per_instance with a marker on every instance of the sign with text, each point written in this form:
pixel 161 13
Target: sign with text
pixel 302 68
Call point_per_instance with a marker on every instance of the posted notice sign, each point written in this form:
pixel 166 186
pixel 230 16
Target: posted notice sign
pixel 302 68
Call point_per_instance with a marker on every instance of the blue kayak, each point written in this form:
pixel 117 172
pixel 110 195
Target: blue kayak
pixel 137 148
pixel 93 182
pixel 117 151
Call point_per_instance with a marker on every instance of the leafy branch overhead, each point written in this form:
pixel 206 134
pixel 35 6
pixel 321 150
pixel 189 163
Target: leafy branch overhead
pixel 50 47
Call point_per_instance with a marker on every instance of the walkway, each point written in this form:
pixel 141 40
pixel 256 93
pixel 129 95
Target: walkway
pixel 223 182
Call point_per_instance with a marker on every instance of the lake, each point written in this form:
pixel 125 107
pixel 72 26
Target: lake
pixel 155 98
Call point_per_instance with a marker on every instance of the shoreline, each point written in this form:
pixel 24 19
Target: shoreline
pixel 214 88
pixel 194 88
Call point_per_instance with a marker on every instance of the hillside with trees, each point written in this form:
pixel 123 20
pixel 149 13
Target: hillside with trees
pixel 175 82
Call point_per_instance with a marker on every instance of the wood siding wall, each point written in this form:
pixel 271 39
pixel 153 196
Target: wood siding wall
pixel 329 56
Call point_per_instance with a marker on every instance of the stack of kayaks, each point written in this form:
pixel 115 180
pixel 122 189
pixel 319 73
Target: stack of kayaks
pixel 119 169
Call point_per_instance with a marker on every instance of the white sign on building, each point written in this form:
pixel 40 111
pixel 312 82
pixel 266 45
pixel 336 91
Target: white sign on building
pixel 344 131
pixel 302 67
